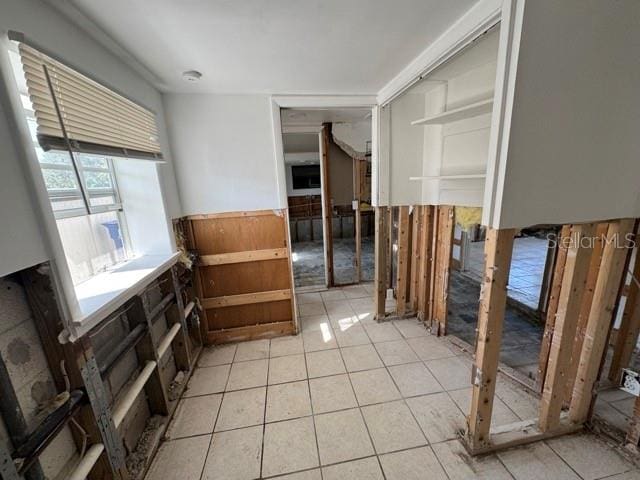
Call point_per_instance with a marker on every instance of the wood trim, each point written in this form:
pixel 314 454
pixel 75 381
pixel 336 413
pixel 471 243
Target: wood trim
pixel 493 300
pixel 247 299
pixel 241 257
pixel 574 280
pixel 251 332
pixel 600 317
pixel 248 213
pixel 402 268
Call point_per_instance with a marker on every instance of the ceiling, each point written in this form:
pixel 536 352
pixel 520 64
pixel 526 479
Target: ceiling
pixel 300 142
pixel 270 46
pixel 316 117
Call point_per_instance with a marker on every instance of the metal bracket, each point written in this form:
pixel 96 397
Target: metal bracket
pixel 8 469
pixel 98 399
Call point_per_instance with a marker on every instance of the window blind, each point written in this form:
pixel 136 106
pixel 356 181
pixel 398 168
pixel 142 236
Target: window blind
pixel 95 118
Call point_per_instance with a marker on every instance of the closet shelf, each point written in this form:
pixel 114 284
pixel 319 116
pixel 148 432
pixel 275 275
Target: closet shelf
pixel 450 177
pixel 468 111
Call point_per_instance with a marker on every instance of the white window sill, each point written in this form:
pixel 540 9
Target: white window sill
pixel 101 295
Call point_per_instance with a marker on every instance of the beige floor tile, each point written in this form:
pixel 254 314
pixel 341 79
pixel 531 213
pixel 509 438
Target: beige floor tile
pixel 342 436
pixel 315 323
pixel 313 297
pixel 287 369
pixel 319 340
pixel 206 380
pixel 306 475
pixel 356 291
pixel 349 337
pixel 244 408
pixel 366 468
pixel 453 373
pixel 501 414
pixel 374 386
pixel 339 307
pixel 392 427
pixel 395 352
pixel 536 461
pixel 625 406
pixel 332 393
pixel 590 457
pixel 309 309
pixel 459 465
pixel 289 345
pixel 438 416
pixel 249 374
pixel 287 401
pixel 414 379
pixel 195 416
pixel 631 475
pixel 362 305
pixel 369 287
pixel 604 411
pixel 382 332
pixel 523 404
pixel 218 355
pixel 255 350
pixel 416 464
pixel 289 446
pixel 430 348
pixel 361 357
pixel 411 328
pixel 342 323
pixel 325 363
pixel 332 295
pixel 180 459
pixel 234 455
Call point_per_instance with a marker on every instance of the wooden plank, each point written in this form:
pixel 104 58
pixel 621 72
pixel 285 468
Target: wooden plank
pixel 493 299
pixel 246 299
pixel 248 213
pixel 251 332
pixel 574 281
pixel 425 293
pixel 414 281
pixel 250 277
pixel 547 275
pixel 443 253
pixel 600 318
pixel 247 315
pixel 242 257
pixel 292 282
pixel 357 188
pixel 587 300
pixel 627 337
pixel 403 260
pixel 380 265
pixel 552 308
pixel 327 215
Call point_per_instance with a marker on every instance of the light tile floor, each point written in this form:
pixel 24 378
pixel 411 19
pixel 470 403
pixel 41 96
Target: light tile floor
pixel 386 403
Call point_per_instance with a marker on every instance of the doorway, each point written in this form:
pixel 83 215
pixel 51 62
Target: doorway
pixel 327 159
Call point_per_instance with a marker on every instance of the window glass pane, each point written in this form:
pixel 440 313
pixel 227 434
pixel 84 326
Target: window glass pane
pixel 98 180
pixel 71 202
pixel 57 180
pixel 102 200
pixel 92 161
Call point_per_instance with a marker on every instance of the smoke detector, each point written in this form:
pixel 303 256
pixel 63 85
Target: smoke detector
pixel 191 76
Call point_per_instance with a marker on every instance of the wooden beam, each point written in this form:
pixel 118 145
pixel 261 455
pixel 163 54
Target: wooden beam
pixel 443 252
pixel 381 232
pixel 250 332
pixel 493 299
pixel 357 195
pixel 242 257
pixel 600 318
pixel 574 281
pixel 552 307
pixel 402 268
pixel 247 213
pixel 629 326
pixel 246 298
pixel 414 281
pixel 327 211
pixel 428 242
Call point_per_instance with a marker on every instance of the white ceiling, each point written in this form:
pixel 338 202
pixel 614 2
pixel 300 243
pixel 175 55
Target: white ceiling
pixel 316 117
pixel 272 46
pixel 300 142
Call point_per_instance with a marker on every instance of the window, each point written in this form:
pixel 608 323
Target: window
pixel 93 239
pixel 305 176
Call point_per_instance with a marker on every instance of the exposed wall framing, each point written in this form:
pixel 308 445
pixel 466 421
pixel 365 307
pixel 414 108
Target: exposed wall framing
pixel 243 275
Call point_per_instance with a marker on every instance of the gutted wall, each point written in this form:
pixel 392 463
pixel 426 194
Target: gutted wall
pixel 340 175
pixel 224 152
pixel 23 244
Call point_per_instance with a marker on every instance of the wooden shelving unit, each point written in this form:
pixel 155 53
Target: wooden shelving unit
pixel 462 113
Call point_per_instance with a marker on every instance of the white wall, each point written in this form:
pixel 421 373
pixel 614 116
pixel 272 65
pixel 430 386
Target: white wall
pixel 21 239
pixel 224 152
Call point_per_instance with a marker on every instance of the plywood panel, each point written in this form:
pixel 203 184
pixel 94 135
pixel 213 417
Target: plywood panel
pixel 249 277
pixel 246 315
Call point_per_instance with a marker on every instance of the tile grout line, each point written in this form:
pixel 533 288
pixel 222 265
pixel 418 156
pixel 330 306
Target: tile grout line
pixel 264 411
pixel 313 418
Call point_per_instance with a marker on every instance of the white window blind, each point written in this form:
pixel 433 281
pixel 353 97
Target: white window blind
pixel 95 119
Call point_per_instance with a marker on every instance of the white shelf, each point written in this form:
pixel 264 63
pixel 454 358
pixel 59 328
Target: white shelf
pixel 468 111
pixel 450 177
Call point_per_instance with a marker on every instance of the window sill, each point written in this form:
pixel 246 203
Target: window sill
pixel 101 295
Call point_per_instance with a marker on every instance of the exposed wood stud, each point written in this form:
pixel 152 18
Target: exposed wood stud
pixel 442 266
pixel 381 232
pixel 246 298
pixel 326 205
pixel 426 263
pixel 416 257
pixel 403 260
pixel 493 298
pixel 600 318
pixel 241 257
pixel 568 309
